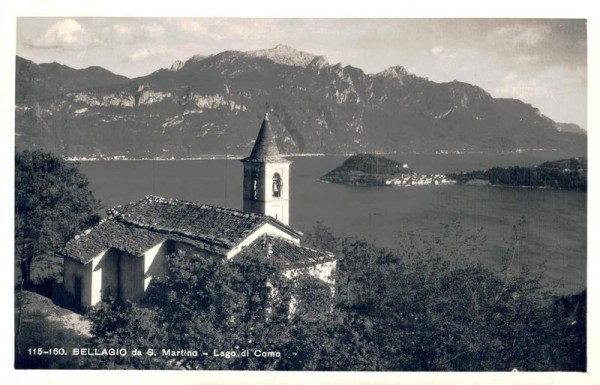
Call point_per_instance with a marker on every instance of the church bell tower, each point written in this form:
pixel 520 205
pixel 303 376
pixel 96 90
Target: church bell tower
pixel 267 177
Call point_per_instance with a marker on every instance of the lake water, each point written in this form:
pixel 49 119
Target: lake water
pixel 555 227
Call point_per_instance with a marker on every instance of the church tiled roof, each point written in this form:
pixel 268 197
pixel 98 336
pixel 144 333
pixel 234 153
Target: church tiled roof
pixel 265 148
pixel 291 254
pixel 134 240
pixel 137 226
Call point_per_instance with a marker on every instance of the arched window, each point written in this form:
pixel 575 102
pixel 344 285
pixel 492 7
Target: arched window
pixel 277 185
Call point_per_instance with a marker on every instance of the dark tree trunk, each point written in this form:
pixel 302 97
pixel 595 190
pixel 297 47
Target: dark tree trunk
pixel 26 272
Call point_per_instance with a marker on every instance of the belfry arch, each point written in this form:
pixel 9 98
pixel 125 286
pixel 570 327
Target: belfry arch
pixel 277 185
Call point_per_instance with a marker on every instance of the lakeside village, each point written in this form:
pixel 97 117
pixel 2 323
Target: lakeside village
pixel 376 170
pixel 407 178
pixel 103 157
pixel 415 179
pixel 89 158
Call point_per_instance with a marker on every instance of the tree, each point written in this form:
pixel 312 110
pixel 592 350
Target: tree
pixel 321 237
pixel 52 204
pixel 206 304
pixel 431 305
pixel 126 326
pixel 427 305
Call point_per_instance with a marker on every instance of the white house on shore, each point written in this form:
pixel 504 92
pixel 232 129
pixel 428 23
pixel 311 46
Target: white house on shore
pixel 129 248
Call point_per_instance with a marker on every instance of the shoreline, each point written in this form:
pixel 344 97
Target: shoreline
pixel 239 157
pixel 454 184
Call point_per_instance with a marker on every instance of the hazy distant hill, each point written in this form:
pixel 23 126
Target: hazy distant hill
pixel 214 104
pixel 570 127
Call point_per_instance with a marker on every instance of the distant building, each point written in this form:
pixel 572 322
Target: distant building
pixel 121 255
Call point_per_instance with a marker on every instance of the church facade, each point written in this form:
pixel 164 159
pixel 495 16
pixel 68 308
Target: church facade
pixel 120 256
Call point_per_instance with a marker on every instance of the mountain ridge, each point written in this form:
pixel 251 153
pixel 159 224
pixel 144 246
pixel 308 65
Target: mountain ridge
pixel 59 78
pixel 213 105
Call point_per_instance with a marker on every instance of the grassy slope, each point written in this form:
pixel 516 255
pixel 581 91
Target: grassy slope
pixel 39 323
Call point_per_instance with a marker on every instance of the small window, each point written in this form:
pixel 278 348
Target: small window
pixel 277 185
pixel 255 185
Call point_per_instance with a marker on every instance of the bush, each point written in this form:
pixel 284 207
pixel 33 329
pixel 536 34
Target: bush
pixel 427 305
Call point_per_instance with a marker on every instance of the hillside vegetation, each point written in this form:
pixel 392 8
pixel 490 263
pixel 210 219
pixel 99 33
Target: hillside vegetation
pixel 428 305
pixel 560 174
pixel 365 169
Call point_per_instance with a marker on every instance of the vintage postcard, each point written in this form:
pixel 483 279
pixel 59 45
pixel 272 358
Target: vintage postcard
pixel 317 195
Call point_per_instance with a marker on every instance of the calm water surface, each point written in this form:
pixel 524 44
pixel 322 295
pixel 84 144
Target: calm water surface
pixel 555 226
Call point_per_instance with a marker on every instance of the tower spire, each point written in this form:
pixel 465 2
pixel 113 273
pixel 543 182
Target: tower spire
pixel 266 177
pixel 265 148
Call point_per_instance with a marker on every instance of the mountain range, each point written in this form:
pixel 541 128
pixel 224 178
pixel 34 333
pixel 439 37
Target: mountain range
pixel 214 105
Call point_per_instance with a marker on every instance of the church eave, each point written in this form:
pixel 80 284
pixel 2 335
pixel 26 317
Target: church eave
pixel 284 227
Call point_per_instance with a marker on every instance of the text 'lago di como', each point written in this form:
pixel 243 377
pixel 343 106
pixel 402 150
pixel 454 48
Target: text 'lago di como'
pixel 164 352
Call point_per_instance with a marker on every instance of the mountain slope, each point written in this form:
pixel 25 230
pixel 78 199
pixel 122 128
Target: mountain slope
pixel 50 79
pixel 214 104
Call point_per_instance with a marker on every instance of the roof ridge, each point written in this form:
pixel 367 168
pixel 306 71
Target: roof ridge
pixel 175 201
pixel 166 230
pixel 162 200
pixel 85 232
pixel 127 212
pixel 297 245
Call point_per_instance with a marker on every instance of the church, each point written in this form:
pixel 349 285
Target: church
pixel 125 251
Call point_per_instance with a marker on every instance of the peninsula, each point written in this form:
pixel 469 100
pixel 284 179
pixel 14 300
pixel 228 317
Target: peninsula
pixel 568 174
pixel 377 170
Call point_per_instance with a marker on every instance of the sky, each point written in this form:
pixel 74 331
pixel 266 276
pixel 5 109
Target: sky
pixel 540 61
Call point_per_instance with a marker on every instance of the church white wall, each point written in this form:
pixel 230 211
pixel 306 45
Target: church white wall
pixel 72 270
pixel 278 210
pixel 131 277
pixel 155 263
pixel 120 274
pixel 277 207
pixel 267 228
pixel 155 258
pixel 262 201
pixel 108 271
pixel 117 274
pixel 96 287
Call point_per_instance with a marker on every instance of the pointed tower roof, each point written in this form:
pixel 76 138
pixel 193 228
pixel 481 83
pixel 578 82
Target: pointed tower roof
pixel 265 148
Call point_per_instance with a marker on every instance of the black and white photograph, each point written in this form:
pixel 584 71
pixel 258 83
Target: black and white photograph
pixel 304 194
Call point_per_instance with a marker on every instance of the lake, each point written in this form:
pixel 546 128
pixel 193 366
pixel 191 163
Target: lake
pixel 555 227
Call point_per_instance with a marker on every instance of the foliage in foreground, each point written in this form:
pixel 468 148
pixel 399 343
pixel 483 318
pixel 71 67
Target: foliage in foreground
pixel 206 305
pixel 52 204
pixel 426 306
